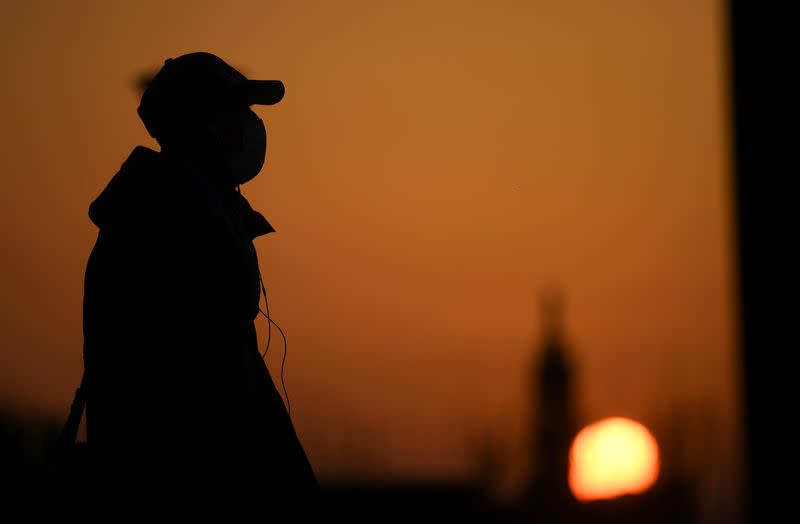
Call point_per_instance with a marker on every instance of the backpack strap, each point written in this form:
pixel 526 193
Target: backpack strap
pixel 69 433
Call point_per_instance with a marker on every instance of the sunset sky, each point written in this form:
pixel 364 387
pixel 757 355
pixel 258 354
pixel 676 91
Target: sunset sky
pixel 432 168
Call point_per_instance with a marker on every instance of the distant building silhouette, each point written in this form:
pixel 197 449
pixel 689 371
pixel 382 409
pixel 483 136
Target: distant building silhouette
pixel 546 495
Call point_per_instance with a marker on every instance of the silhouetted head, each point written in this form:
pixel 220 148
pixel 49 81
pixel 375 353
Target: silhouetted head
pixel 198 106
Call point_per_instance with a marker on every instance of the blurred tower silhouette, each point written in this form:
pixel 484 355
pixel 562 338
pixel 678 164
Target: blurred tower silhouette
pixel 547 495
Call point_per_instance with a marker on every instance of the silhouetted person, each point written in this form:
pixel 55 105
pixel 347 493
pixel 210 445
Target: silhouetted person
pixel 180 405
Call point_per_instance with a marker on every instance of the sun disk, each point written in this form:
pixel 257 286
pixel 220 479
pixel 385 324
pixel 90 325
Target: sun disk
pixel 612 457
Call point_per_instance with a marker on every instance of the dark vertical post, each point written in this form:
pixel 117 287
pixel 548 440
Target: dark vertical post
pixel 766 98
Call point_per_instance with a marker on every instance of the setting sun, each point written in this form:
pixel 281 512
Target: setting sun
pixel 612 457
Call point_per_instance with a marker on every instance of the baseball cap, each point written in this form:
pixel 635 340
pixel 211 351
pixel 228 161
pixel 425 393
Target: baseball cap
pixel 195 85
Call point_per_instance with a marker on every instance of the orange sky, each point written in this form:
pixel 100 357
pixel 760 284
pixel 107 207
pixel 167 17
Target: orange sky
pixel 432 166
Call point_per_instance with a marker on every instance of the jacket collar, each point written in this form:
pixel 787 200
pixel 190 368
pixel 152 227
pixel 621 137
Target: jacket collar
pixel 135 195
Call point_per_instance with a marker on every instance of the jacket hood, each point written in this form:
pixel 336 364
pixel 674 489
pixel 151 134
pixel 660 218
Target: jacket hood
pixel 143 192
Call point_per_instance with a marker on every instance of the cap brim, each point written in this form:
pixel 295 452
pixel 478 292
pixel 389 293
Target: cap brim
pixel 264 92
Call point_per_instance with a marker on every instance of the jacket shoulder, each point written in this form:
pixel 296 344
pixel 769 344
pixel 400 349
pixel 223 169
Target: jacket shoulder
pixel 130 192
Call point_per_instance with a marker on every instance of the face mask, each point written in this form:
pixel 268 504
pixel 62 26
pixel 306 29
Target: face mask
pixel 246 161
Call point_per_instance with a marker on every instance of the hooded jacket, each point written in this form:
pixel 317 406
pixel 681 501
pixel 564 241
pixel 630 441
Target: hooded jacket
pixel 179 401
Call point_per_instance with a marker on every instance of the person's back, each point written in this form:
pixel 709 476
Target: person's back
pixel 179 403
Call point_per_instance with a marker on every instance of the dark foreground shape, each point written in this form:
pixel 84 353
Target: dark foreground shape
pixel 183 419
